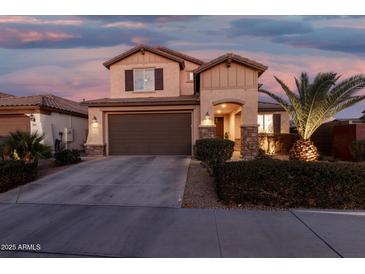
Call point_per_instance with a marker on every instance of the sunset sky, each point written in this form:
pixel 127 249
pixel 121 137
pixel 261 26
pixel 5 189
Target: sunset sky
pixel 63 55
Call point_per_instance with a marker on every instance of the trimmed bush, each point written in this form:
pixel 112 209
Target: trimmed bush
pixel 15 173
pixel 214 151
pixel 67 157
pixel 287 184
pixel 357 149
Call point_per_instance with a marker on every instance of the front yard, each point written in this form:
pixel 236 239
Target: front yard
pixel 276 184
pixel 268 183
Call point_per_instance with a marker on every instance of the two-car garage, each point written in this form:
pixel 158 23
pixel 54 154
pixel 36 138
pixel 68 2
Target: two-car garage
pixel 150 133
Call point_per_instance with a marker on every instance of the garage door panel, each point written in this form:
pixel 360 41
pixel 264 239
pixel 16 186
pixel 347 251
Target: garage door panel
pixel 12 123
pixel 153 133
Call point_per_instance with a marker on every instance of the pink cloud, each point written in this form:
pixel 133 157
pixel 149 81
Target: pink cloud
pixel 89 80
pixel 12 35
pixel 127 25
pixel 36 21
pixel 139 40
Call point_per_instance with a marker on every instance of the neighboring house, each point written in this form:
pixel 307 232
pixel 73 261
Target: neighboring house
pixel 335 137
pixel 162 101
pixel 50 115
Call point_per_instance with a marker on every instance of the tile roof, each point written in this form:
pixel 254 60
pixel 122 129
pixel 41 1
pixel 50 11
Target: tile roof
pixel 180 100
pixel 232 57
pixel 3 94
pixel 269 106
pixel 181 55
pixel 48 101
pixel 142 48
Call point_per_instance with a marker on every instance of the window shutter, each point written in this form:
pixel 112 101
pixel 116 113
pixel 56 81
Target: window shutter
pixel 159 79
pixel 277 123
pixel 129 80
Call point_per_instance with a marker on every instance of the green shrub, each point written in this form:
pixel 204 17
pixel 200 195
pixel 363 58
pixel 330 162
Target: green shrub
pixel 292 183
pixel 262 155
pixel 15 173
pixel 67 157
pixel 214 151
pixel 357 149
pixel 25 146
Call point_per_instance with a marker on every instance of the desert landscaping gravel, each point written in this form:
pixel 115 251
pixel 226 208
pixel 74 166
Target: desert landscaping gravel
pixel 200 191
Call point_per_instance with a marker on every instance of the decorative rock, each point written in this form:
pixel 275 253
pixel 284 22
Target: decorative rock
pixel 207 132
pixel 95 150
pixel 249 142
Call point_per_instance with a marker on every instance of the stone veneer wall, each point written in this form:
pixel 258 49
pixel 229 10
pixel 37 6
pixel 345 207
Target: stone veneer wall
pixel 249 142
pixel 207 132
pixel 95 150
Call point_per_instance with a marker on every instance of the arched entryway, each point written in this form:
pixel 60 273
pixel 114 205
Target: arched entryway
pixel 228 118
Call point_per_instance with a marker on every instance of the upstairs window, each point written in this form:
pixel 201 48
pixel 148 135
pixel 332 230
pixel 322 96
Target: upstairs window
pixel 266 124
pixel 144 79
pixel 190 76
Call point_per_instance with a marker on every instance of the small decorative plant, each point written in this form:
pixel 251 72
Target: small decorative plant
pixel 67 157
pixel 26 146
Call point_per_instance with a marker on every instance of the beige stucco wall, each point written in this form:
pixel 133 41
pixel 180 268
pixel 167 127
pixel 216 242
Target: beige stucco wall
pixel 171 74
pixel 99 135
pixel 51 125
pixel 235 76
pixel 186 86
pixel 230 83
pixel 248 97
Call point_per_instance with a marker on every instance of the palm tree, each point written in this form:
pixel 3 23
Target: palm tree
pixel 315 103
pixel 26 146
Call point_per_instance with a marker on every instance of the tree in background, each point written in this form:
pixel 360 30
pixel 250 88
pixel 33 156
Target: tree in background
pixel 314 103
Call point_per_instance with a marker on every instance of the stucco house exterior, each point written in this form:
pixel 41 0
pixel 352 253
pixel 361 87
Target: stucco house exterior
pixel 48 115
pixel 161 101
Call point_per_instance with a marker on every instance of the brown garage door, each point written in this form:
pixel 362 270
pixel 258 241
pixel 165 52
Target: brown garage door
pixel 11 123
pixel 150 134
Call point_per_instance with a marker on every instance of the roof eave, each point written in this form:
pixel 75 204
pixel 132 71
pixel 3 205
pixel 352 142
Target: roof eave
pixel 259 67
pixel 126 54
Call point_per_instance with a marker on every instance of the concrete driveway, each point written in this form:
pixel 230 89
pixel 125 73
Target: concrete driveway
pixel 156 181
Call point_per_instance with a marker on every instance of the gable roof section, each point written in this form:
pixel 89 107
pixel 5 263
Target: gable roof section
pixel 230 57
pixel 268 106
pixel 49 102
pixel 142 48
pixel 181 55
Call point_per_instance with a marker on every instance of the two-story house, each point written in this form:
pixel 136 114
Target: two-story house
pixel 162 101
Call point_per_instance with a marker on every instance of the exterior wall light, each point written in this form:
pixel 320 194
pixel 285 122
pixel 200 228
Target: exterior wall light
pixel 31 117
pixel 207 116
pixel 94 122
pixel 207 121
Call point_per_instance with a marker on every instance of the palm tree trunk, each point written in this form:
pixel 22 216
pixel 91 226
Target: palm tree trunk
pixel 304 150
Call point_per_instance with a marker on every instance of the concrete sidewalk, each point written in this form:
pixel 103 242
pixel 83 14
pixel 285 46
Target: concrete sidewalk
pixel 117 231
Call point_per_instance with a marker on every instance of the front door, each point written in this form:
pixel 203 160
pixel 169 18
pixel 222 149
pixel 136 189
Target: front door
pixel 219 127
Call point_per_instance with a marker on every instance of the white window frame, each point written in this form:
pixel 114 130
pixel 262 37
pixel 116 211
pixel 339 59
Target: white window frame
pixel 190 73
pixel 265 127
pixel 134 80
